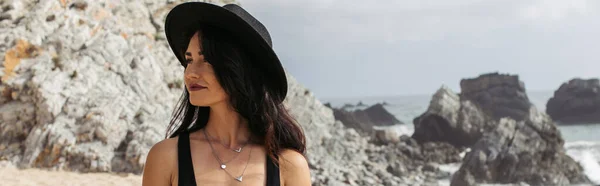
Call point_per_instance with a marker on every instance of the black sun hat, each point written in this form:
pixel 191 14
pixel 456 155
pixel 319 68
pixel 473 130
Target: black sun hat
pixel 252 35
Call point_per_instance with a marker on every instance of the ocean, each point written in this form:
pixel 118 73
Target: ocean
pixel 582 142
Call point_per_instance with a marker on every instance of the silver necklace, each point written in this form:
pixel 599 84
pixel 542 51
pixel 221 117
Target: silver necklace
pixel 223 166
pixel 238 150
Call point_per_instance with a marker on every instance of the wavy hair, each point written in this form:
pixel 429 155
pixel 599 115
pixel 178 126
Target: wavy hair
pixel 269 122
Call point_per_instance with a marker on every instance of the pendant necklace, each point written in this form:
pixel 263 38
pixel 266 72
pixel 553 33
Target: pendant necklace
pixel 223 164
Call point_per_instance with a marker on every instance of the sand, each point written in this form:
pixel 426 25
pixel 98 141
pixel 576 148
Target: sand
pixel 10 175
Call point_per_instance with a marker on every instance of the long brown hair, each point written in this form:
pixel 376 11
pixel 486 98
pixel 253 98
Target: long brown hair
pixel 268 119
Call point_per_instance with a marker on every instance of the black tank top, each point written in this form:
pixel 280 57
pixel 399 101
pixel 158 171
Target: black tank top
pixel 186 169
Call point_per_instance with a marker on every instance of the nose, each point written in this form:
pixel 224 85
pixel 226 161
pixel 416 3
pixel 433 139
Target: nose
pixel 192 72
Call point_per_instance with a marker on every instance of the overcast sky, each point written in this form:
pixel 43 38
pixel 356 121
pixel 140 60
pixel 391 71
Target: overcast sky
pixel 352 48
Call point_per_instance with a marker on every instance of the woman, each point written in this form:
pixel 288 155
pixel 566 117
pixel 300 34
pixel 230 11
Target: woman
pixel 230 127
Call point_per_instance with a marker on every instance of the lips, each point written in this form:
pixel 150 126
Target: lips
pixel 195 87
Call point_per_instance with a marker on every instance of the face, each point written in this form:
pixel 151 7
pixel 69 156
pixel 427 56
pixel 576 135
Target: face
pixel 199 77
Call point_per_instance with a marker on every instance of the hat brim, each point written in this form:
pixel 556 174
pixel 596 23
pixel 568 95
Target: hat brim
pixel 183 17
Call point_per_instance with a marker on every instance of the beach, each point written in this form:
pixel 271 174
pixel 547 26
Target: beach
pixel 10 175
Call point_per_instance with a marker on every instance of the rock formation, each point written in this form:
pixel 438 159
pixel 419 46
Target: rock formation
pixel 364 120
pixel 87 86
pixel 528 151
pixel 508 144
pixel 498 95
pixel 576 102
pixel 448 119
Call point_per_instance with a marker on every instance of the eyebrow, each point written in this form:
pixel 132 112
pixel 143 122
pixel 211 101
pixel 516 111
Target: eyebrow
pixel 190 54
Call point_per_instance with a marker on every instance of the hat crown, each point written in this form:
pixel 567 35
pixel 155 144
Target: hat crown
pixel 248 18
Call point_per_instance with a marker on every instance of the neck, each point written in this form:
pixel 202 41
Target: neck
pixel 227 126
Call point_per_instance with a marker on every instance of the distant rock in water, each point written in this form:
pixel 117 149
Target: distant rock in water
pixel 380 116
pixel 360 104
pixel 576 102
pixel 347 106
pixel 364 120
pixel 508 144
pixel 498 95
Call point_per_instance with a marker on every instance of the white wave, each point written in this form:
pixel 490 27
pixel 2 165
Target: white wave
pixel 401 129
pixel 587 153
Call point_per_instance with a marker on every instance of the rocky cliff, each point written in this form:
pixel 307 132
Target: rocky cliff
pixel 86 85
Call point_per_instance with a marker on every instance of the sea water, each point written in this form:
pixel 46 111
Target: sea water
pixel 582 142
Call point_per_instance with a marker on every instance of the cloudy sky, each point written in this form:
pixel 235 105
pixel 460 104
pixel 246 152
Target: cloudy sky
pixel 352 48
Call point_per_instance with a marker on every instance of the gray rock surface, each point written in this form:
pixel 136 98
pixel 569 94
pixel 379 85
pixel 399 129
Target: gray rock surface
pixel 576 102
pixel 529 151
pixel 88 83
pixel 508 144
pixel 498 95
pixel 448 119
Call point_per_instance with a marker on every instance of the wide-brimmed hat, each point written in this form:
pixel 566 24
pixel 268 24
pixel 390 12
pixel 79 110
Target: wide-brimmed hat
pixel 252 35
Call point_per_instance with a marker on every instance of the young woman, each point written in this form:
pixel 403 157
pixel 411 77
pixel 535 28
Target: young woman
pixel 230 126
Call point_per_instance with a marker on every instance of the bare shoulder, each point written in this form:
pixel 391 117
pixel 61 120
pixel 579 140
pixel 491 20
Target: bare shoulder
pixel 166 148
pixel 294 169
pixel 160 163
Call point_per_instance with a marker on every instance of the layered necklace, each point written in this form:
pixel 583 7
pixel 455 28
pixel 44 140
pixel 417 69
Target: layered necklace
pixel 222 163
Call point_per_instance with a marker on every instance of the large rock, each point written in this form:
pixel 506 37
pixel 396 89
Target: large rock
pixel 498 95
pixel 448 119
pixel 576 102
pixel 529 151
pixel 86 85
pixel 462 119
pixel 509 144
pixel 364 120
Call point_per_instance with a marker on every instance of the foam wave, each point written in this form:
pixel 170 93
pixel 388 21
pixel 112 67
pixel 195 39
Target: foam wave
pixel 587 153
pixel 401 129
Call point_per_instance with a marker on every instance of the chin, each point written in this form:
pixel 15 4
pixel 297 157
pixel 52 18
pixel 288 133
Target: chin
pixel 206 100
pixel 200 103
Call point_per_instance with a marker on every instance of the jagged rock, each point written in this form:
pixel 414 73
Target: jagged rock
pixel 79 83
pixel 364 120
pixel 498 95
pixel 440 152
pixel 508 144
pixel 529 151
pixel 462 119
pixel 576 102
pixel 448 119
